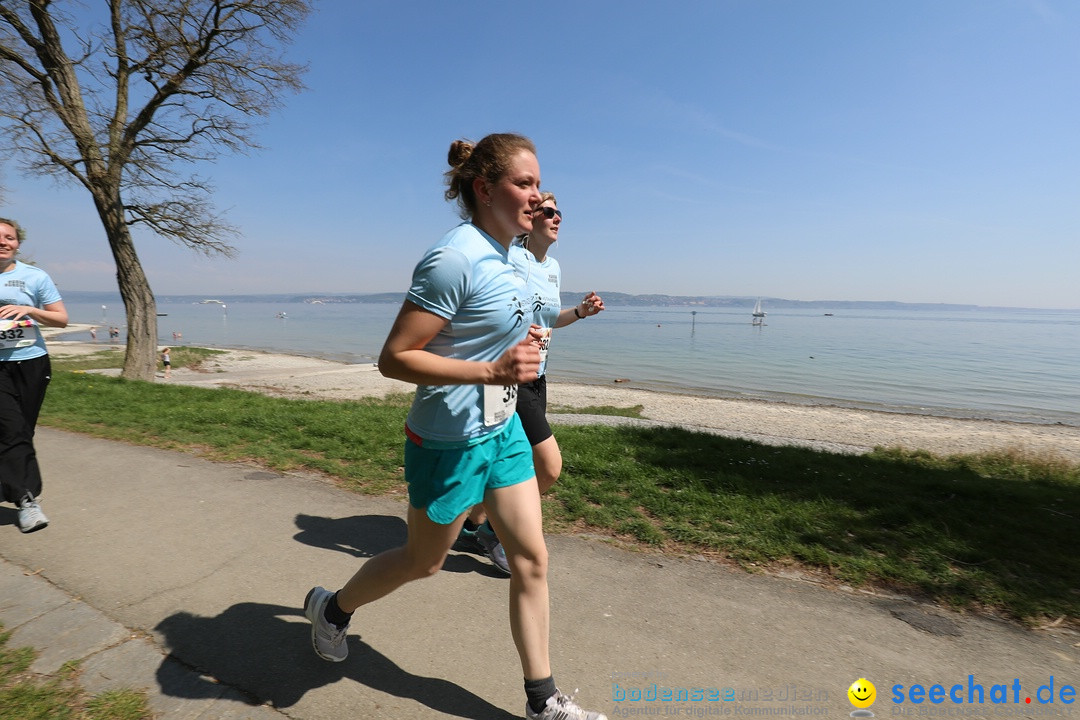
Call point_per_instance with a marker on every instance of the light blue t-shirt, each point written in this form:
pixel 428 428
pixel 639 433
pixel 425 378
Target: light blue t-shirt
pixel 468 279
pixel 542 280
pixel 25 285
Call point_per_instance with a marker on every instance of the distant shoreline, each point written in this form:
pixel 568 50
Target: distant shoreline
pixel 819 426
pixel 612 297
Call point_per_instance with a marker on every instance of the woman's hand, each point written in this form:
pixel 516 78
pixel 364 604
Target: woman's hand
pixel 53 314
pixel 521 363
pixel 591 305
pixel 14 312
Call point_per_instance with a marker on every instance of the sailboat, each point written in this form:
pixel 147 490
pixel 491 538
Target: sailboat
pixel 759 314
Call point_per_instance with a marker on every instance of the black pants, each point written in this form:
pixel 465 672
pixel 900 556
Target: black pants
pixel 22 390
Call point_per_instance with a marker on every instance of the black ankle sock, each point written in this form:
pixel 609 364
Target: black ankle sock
pixel 470 525
pixel 335 615
pixel 537 692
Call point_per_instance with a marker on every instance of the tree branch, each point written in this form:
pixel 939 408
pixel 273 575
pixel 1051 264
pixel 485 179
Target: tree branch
pixel 157 84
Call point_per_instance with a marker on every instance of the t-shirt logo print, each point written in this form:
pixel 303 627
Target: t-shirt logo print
pixel 517 312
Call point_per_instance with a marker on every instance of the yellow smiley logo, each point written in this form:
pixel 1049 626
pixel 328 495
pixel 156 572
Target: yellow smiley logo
pixel 862 693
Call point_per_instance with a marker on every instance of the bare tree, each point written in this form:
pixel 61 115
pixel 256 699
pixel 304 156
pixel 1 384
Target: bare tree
pixel 125 104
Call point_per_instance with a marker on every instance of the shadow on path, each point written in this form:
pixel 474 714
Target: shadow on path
pixel 365 536
pixel 254 649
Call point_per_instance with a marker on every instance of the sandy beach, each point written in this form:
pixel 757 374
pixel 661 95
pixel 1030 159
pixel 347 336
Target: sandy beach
pixel 821 427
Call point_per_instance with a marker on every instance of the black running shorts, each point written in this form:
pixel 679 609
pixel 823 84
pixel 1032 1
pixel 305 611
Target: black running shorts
pixel 532 409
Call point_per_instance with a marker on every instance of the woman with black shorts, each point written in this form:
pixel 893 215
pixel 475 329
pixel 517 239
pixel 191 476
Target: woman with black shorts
pixel 543 278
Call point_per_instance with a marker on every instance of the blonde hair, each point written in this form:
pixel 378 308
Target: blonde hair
pixel 20 234
pixel 487 160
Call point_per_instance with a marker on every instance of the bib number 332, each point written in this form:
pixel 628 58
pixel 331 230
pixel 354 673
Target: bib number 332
pixel 17 333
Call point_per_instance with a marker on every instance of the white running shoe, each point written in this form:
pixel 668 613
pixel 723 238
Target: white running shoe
pixel 30 516
pixel 562 707
pixel 327 639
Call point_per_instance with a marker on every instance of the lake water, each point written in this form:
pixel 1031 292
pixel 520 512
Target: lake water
pixel 1019 365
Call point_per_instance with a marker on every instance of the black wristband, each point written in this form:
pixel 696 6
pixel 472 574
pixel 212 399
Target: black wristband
pixel 578 315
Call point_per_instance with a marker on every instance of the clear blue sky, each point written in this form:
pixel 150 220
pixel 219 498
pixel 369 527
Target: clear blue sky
pixel 919 151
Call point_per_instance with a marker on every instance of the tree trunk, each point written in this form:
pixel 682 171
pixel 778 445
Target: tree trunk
pixel 140 358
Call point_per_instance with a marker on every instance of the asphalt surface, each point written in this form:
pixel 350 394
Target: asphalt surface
pixel 163 572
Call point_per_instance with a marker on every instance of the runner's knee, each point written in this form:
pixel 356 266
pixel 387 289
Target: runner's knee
pixel 529 563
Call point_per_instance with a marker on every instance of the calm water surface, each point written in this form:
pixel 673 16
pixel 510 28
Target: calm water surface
pixel 1001 364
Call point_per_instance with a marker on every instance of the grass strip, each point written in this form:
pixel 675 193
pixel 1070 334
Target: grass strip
pixel 27 696
pixel 990 531
pixel 993 531
pixel 358 442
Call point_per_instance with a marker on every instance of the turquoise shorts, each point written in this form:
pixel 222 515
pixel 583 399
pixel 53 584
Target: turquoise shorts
pixel 447 482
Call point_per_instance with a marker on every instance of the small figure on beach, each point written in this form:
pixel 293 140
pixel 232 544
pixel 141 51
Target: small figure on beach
pixel 29 299
pixel 463 336
pixel 166 360
pixel 114 334
pixel 93 333
pixel 543 277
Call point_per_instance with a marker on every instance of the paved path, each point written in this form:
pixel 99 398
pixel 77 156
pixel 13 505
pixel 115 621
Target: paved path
pixel 183 577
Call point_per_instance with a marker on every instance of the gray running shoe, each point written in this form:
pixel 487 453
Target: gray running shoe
pixel 492 548
pixel 466 540
pixel 30 516
pixel 562 707
pixel 327 639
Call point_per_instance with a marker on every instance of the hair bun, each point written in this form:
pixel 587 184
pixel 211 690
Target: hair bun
pixel 460 151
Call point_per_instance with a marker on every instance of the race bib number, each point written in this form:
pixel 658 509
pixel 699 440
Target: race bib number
pixel 17 333
pixel 500 401
pixel 545 340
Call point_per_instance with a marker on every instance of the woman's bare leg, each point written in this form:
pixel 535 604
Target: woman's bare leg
pixel 514 512
pixel 422 555
pixel 547 458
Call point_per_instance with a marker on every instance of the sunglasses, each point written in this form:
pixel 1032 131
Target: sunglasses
pixel 548 211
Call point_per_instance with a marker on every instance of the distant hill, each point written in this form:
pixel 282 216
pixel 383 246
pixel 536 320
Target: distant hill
pixel 85 296
pixel 611 299
pixel 657 300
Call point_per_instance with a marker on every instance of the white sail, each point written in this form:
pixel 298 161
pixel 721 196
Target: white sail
pixel 759 314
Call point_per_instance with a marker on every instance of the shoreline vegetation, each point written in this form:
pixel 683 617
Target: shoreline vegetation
pixel 974 514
